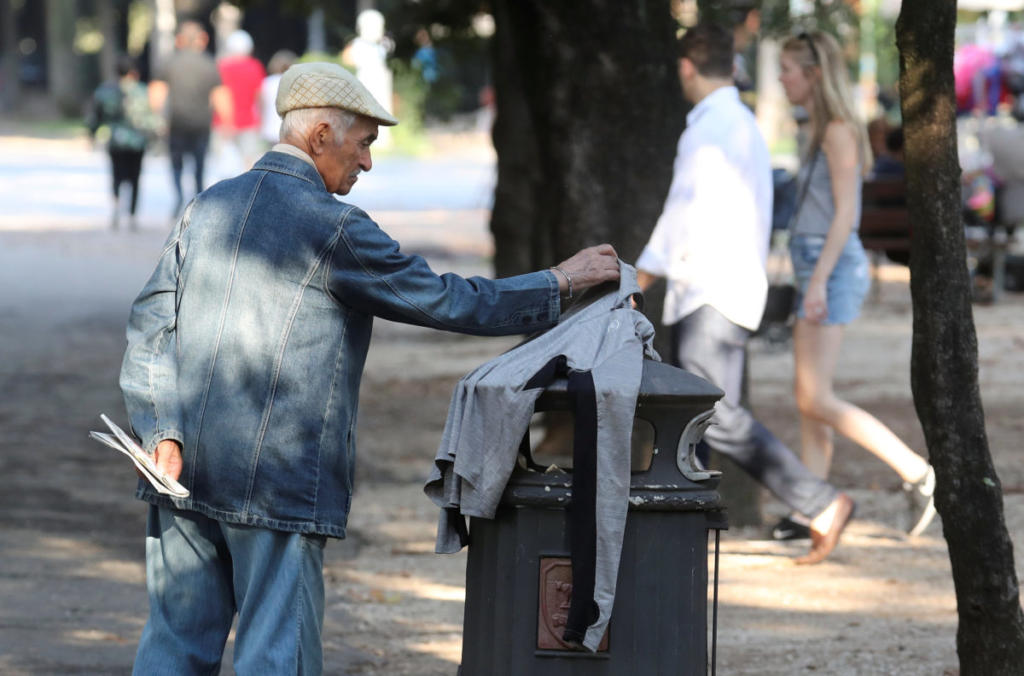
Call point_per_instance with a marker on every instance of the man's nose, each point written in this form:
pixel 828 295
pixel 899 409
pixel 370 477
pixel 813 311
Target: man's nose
pixel 366 162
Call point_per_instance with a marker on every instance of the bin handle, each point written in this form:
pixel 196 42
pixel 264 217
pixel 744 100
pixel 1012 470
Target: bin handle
pixel 686 453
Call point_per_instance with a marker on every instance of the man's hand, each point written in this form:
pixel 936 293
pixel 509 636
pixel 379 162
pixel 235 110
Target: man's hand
pixel 168 458
pixel 589 267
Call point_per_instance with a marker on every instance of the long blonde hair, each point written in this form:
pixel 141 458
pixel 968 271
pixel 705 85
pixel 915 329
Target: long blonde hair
pixel 832 96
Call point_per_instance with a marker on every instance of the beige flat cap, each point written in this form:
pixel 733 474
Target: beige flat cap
pixel 327 85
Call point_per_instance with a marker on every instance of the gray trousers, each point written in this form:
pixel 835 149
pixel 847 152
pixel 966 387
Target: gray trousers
pixel 707 344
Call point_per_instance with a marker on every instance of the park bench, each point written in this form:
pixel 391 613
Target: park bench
pixel 885 226
pixel 886 229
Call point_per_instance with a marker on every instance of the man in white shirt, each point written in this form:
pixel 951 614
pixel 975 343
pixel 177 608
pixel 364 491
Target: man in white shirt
pixel 711 243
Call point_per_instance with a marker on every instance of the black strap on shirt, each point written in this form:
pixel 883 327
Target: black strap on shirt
pixel 583 609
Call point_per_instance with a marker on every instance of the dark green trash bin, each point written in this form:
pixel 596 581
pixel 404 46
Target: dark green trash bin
pixel 518 574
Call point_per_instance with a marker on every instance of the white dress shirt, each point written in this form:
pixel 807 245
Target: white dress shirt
pixel 711 240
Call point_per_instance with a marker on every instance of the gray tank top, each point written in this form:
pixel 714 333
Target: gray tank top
pixel 817 210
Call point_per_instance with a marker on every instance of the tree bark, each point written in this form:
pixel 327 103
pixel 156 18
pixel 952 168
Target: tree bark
pixel 9 82
pixel 944 360
pixel 162 39
pixel 589 110
pixel 106 15
pixel 62 65
pixel 588 113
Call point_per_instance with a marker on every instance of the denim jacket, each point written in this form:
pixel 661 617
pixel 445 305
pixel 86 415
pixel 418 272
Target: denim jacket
pixel 248 342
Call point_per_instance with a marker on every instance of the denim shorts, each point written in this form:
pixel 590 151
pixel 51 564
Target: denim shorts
pixel 847 285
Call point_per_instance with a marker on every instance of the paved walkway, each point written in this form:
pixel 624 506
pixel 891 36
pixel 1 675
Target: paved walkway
pixel 63 185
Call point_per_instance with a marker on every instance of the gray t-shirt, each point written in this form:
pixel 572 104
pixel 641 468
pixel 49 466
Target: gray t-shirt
pixel 491 409
pixel 190 77
pixel 818 208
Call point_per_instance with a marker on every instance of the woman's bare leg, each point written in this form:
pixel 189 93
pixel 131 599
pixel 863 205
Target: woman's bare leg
pixel 816 350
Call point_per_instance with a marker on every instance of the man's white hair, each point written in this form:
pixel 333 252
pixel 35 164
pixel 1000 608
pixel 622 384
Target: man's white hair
pixel 301 120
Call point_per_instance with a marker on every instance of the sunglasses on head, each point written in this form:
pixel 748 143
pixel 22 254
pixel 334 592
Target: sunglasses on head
pixel 806 37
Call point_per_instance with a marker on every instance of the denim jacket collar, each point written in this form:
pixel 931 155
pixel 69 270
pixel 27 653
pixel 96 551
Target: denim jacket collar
pixel 283 163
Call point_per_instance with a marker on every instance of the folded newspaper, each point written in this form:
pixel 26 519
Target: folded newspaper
pixel 122 441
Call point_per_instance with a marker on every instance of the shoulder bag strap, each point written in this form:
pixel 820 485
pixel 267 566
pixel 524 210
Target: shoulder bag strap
pixel 778 245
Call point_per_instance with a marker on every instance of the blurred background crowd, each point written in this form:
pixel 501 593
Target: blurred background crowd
pixel 68 62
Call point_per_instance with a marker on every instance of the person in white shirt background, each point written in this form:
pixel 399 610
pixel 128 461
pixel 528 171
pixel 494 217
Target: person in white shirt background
pixel 270 121
pixel 711 243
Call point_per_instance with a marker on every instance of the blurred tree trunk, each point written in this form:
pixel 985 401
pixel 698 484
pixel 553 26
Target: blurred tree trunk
pixel 944 361
pixel 162 39
pixel 9 82
pixel 62 66
pixel 589 110
pixel 107 17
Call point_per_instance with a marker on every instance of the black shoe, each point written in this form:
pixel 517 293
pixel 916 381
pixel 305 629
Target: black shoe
pixel 787 529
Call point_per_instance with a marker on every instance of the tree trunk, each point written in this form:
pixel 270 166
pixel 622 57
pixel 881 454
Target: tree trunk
pixel 107 17
pixel 589 111
pixel 9 83
pixel 62 64
pixel 162 39
pixel 944 361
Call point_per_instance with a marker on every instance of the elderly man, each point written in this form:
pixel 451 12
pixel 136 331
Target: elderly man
pixel 245 351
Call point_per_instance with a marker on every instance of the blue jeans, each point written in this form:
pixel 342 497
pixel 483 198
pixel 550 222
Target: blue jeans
pixel 187 142
pixel 707 344
pixel 847 285
pixel 200 572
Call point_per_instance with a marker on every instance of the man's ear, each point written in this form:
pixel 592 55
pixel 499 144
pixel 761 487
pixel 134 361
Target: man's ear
pixel 319 138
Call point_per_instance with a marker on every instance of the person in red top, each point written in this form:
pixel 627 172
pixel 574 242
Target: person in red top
pixel 243 75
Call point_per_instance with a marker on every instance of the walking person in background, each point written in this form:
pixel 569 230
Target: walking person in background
pixel 831 268
pixel 711 243
pixel 188 88
pixel 123 107
pixel 270 121
pixel 746 23
pixel 243 76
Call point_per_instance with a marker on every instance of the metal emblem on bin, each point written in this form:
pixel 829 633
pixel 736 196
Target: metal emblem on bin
pixel 555 589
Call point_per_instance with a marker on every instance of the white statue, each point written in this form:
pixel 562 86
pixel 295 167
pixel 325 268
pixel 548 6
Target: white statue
pixel 368 53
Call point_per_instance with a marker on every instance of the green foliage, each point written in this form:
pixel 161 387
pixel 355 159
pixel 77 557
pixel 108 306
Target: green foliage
pixel 887 56
pixel 837 17
pixel 840 18
pixel 463 56
pixel 409 92
pixel 327 57
pixel 726 12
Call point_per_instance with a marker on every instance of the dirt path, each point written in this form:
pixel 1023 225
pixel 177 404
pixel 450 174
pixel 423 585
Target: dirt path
pixel 72 596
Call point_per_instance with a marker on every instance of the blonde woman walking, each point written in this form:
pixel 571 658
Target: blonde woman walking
pixel 831 269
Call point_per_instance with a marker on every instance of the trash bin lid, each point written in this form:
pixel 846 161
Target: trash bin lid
pixel 661 384
pixel 664 381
